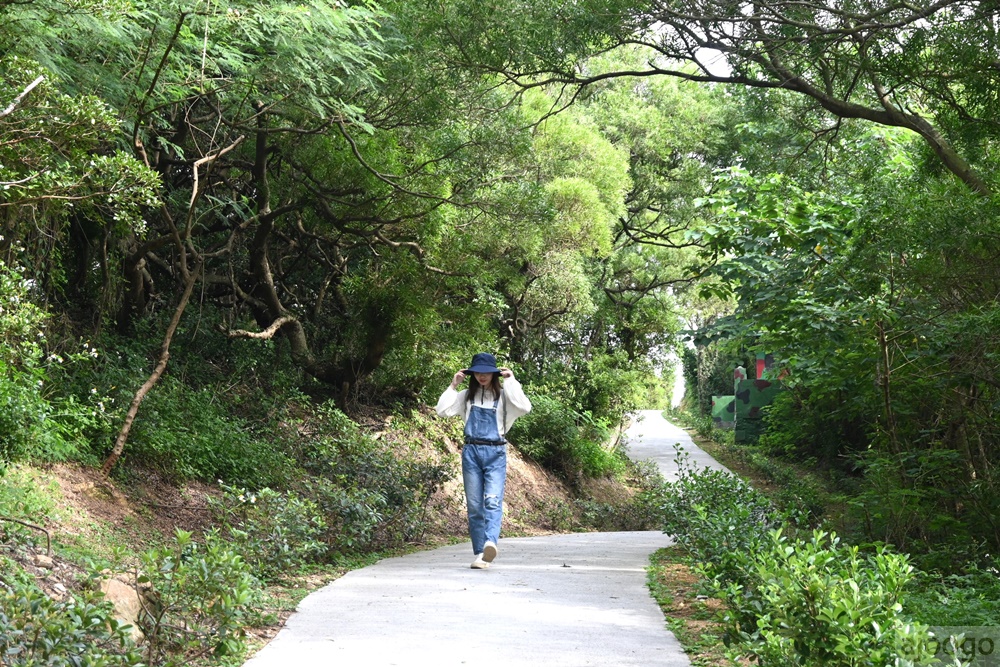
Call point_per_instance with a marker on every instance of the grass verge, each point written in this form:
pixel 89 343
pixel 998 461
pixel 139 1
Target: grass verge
pixel 691 615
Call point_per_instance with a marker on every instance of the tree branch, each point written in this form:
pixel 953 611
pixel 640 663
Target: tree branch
pixel 150 382
pixel 266 334
pixel 17 100
pixel 48 537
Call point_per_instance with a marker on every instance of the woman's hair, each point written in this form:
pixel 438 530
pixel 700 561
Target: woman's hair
pixel 474 386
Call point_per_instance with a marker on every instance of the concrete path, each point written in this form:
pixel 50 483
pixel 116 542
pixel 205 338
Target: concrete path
pixel 559 601
pixel 653 437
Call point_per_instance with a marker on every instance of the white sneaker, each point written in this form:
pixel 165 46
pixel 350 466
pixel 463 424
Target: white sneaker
pixel 489 551
pixel 479 563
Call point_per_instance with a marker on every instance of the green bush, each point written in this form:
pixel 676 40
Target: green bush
pixel 21 494
pixel 203 596
pixel 35 421
pixel 546 431
pixel 191 433
pixel 970 598
pixel 22 498
pixel 279 532
pixel 642 510
pixel 915 501
pixel 565 441
pixel 633 514
pixel 80 631
pixel 354 515
pixel 795 494
pixel 702 424
pixel 817 603
pixel 823 423
pixel 718 517
pixel 373 495
pixel 197 422
pixel 607 387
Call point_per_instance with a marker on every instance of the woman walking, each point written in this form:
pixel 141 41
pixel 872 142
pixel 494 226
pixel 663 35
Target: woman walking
pixel 489 407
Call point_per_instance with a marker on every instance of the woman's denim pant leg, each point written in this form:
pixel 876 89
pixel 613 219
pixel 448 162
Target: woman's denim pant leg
pixel 484 473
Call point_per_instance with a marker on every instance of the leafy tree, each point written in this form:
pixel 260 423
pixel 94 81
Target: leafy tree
pixel 872 297
pixel 57 169
pixel 923 67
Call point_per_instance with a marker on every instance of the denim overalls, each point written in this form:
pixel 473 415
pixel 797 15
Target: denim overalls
pixel 484 473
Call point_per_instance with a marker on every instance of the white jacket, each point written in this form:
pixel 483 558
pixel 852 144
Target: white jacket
pixel 513 404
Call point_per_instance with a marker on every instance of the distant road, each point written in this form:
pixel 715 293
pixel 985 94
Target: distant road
pixel 653 437
pixel 558 601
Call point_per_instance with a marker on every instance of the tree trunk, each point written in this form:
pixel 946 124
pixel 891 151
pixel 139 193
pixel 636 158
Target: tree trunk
pixel 150 382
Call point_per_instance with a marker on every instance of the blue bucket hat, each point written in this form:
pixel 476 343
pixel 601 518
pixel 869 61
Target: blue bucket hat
pixel 484 362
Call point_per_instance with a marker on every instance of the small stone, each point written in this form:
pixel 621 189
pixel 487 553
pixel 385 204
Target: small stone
pixel 59 588
pixel 44 562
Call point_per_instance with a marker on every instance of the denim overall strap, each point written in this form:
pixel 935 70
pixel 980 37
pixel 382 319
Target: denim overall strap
pixel 481 426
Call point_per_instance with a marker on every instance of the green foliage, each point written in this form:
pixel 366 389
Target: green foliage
pixel 708 371
pixel 22 377
pixel 970 598
pixel 279 532
pixel 788 600
pixel 794 491
pixel 607 386
pixel 22 497
pixel 535 35
pixel 80 631
pixel 887 362
pixel 558 514
pixel 358 518
pixel 564 440
pixel 641 510
pixel 53 161
pixel 585 177
pixel 36 421
pixel 717 517
pixel 577 406
pixel 810 424
pixel 202 595
pixel 191 433
pixel 818 603
pixel 372 495
pixel 910 501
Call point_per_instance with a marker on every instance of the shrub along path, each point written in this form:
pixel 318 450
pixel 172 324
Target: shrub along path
pixel 559 600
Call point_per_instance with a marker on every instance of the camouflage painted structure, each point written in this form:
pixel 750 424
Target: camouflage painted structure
pixel 742 411
pixel 739 375
pixel 751 397
pixel 724 412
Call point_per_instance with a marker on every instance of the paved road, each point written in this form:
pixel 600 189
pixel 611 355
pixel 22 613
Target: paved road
pixel 559 601
pixel 653 437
